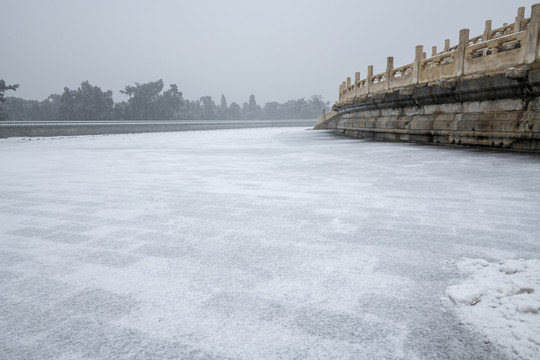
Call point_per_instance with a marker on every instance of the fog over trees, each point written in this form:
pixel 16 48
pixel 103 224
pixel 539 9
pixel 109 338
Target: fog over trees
pixel 149 101
pixel 3 88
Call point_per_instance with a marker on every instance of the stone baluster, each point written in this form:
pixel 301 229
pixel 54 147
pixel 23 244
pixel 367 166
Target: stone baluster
pixel 369 76
pixel 487 31
pixel 460 58
pixel 419 54
pixel 356 83
pixel 531 53
pixel 518 25
pixel 389 68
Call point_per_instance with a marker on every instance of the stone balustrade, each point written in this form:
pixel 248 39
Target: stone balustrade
pixel 489 53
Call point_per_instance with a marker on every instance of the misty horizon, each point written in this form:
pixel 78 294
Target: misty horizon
pixel 120 95
pixel 275 50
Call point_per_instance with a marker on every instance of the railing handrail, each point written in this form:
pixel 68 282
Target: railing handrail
pixel 493 41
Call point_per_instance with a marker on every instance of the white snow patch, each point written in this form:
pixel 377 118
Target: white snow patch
pixel 502 299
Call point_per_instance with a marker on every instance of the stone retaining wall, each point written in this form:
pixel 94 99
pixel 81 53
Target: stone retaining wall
pixel 492 111
pixel 485 91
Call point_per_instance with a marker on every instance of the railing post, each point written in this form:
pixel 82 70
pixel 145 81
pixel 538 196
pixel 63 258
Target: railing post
pixel 356 83
pixel 531 53
pixel 446 45
pixel 389 68
pixel 463 43
pixel 419 54
pixel 487 31
pixel 519 20
pixel 433 51
pixel 369 76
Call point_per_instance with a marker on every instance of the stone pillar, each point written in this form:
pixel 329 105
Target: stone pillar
pixel 389 68
pixel 487 31
pixel 518 25
pixel 356 83
pixel 460 58
pixel 446 45
pixel 419 54
pixel 323 115
pixel 348 87
pixel 531 53
pixel 433 51
pixel 369 76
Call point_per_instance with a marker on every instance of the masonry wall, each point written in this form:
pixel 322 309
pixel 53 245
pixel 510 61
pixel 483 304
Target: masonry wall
pixel 38 129
pixel 484 91
pixel 492 111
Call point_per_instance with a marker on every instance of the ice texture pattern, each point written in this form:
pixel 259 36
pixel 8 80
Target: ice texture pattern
pixel 254 244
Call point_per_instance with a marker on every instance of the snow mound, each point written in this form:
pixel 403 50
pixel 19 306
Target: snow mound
pixel 502 299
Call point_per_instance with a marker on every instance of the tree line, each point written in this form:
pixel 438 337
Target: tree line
pixel 149 101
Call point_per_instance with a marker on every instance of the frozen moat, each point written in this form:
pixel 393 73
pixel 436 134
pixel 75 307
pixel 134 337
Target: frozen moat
pixel 254 244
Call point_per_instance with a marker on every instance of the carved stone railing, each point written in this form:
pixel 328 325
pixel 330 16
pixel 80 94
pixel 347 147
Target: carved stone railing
pixel 489 53
pixel 401 76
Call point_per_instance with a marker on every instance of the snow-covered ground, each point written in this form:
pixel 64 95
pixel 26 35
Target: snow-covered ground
pixel 266 244
pixel 503 300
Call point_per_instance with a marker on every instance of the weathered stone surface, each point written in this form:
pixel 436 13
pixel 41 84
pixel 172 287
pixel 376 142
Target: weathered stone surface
pixel 494 111
pixel 408 91
pixel 484 91
pixel 447 83
pixel 534 76
pixel 517 73
pixel 507 118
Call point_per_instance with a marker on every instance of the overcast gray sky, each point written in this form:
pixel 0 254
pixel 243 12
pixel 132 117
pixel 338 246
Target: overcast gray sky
pixel 277 50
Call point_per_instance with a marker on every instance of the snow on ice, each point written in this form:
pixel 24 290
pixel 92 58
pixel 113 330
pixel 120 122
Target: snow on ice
pixel 264 244
pixel 503 300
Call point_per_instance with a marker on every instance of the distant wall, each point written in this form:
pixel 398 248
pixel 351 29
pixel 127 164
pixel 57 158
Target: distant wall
pixel 34 129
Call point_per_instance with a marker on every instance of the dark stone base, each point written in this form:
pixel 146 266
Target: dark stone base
pixel 491 111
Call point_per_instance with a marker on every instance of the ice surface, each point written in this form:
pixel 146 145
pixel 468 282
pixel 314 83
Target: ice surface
pixel 256 244
pixel 503 300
